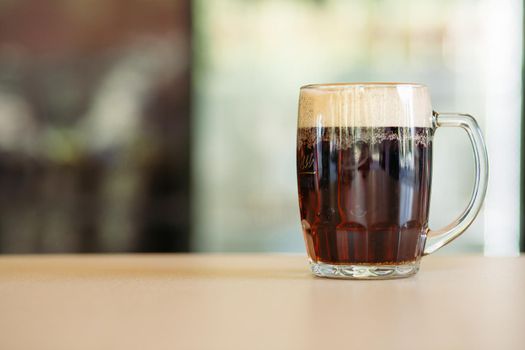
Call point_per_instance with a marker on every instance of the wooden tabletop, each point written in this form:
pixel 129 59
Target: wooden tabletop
pixel 255 302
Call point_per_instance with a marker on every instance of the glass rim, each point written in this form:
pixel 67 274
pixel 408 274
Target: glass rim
pixel 353 85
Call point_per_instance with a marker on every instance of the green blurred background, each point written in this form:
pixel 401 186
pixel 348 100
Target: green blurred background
pixel 169 125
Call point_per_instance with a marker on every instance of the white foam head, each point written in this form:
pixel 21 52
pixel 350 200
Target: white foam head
pixel 365 105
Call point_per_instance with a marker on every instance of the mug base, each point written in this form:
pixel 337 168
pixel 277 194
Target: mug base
pixel 366 272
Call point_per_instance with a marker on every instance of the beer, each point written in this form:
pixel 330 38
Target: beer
pixel 364 170
pixel 364 193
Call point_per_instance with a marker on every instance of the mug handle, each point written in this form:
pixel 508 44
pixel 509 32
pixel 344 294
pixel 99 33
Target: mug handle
pixel 438 238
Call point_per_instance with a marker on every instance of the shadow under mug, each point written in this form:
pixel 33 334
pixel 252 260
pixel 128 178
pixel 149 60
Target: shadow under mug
pixel 364 170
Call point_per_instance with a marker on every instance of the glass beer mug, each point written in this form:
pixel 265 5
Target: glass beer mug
pixel 364 170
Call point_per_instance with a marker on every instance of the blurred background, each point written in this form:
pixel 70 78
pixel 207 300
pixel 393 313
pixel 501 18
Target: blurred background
pixel 169 125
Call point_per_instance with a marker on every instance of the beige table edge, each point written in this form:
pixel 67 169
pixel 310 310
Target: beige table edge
pixel 255 301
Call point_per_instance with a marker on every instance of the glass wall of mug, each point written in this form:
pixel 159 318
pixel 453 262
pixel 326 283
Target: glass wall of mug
pixel 364 169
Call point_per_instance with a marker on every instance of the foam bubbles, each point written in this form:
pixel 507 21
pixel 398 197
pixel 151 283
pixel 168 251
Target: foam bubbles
pixel 365 105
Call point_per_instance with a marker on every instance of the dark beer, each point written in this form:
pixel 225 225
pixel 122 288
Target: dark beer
pixel 364 193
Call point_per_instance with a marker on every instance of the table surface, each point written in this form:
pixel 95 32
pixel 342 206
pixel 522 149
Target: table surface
pixel 255 302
